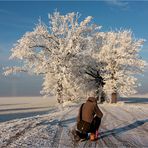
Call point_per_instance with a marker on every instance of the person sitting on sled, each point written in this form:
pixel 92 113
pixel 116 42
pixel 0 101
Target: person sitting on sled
pixel 89 119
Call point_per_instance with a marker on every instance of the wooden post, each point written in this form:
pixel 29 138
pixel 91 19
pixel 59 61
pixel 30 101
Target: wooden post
pixel 114 98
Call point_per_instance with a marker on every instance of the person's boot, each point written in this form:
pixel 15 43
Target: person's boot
pixel 76 137
pixel 92 136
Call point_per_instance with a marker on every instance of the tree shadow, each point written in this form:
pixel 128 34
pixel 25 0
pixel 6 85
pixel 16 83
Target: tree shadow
pixel 22 109
pixel 123 129
pixel 68 121
pixel 134 100
pixel 13 116
pixel 12 104
pixel 62 123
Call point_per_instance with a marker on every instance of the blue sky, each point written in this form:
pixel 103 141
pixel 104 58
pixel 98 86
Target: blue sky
pixel 17 17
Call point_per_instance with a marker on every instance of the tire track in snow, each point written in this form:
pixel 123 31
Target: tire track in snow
pixel 138 122
pixel 135 118
pixel 109 140
pixel 141 124
pixel 129 143
pixel 57 137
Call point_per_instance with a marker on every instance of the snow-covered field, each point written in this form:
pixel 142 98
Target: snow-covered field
pixel 124 124
pixel 20 107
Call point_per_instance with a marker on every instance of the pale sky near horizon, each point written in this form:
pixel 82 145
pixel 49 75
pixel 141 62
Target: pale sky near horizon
pixel 18 17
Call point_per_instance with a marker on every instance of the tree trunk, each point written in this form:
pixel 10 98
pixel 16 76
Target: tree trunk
pixel 114 98
pixel 59 93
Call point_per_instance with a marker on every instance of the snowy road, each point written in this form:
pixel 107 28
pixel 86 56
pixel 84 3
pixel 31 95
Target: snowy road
pixel 123 125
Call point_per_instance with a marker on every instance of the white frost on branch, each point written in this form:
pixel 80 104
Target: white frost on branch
pixel 14 69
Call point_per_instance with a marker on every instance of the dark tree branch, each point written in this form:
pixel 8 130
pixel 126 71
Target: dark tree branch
pixel 96 75
pixel 40 46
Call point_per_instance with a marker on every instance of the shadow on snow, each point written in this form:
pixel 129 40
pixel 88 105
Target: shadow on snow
pixel 134 100
pixel 123 129
pixel 14 116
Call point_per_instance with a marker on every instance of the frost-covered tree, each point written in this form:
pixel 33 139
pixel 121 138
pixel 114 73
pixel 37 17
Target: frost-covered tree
pixel 119 54
pixel 60 52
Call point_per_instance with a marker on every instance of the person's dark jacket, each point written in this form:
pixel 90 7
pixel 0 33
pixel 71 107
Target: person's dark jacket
pixel 89 110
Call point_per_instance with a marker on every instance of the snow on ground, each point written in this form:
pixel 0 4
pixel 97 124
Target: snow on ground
pixel 124 124
pixel 20 107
